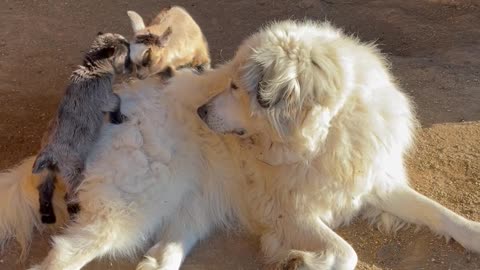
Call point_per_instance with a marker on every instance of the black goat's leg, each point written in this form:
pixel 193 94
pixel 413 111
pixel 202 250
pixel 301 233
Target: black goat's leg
pixel 45 196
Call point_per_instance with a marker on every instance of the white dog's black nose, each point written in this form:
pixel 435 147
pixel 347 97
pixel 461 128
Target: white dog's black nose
pixel 202 112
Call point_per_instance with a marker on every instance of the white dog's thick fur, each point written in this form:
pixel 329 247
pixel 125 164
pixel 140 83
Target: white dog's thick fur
pixel 332 128
pixel 324 131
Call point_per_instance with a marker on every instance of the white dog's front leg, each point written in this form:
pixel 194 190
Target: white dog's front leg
pixel 181 233
pixel 167 255
pixel 413 207
pixel 306 243
pixel 194 90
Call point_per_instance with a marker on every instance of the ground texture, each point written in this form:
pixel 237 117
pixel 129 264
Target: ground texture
pixel 434 48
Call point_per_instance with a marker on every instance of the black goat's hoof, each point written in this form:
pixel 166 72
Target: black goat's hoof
pixel 48 219
pixel 73 208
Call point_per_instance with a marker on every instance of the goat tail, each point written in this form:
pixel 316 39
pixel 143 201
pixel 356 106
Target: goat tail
pixel 19 211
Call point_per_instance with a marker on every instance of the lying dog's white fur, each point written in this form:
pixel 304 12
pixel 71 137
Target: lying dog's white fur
pixel 320 131
pixel 327 130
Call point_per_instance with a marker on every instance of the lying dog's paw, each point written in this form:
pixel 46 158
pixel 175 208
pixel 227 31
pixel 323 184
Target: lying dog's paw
pixel 293 263
pixel 148 263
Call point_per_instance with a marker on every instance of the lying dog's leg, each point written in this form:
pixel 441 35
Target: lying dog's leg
pixel 77 247
pixel 201 61
pixel 181 233
pixel 95 233
pixel 305 242
pixel 195 90
pixel 413 207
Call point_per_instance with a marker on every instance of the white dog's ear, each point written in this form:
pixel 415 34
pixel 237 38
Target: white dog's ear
pixel 273 90
pixel 325 77
pixel 277 90
pixel 136 21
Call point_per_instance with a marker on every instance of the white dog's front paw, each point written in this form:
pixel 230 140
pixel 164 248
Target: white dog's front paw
pixel 302 260
pixel 148 263
pixel 471 237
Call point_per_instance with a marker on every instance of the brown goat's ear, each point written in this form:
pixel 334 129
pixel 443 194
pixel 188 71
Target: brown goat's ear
pixel 152 39
pixel 136 21
pixel 161 41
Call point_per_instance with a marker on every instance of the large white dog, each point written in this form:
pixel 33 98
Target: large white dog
pixel 316 131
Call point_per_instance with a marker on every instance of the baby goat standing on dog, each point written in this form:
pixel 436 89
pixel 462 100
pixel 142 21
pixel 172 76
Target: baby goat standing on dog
pixel 172 40
pixel 80 115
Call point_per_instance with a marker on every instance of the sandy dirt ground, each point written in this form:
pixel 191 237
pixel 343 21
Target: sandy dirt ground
pixel 434 48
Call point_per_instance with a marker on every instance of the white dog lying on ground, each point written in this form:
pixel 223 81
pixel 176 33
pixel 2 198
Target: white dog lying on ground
pixel 319 131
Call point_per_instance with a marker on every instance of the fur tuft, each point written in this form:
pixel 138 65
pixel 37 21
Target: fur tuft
pixel 384 222
pixel 19 215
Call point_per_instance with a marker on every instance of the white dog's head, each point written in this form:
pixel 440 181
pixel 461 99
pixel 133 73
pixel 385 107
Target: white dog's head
pixel 286 83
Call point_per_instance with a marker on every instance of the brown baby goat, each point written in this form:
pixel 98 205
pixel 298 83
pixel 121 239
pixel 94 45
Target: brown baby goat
pixel 171 41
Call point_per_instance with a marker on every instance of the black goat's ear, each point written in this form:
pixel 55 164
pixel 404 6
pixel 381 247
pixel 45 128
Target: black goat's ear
pixel 109 52
pixel 99 33
pixel 105 53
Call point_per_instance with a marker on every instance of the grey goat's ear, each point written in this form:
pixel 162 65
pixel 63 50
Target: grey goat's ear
pixel 136 21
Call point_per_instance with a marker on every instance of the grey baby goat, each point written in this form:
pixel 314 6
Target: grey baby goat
pixel 76 126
